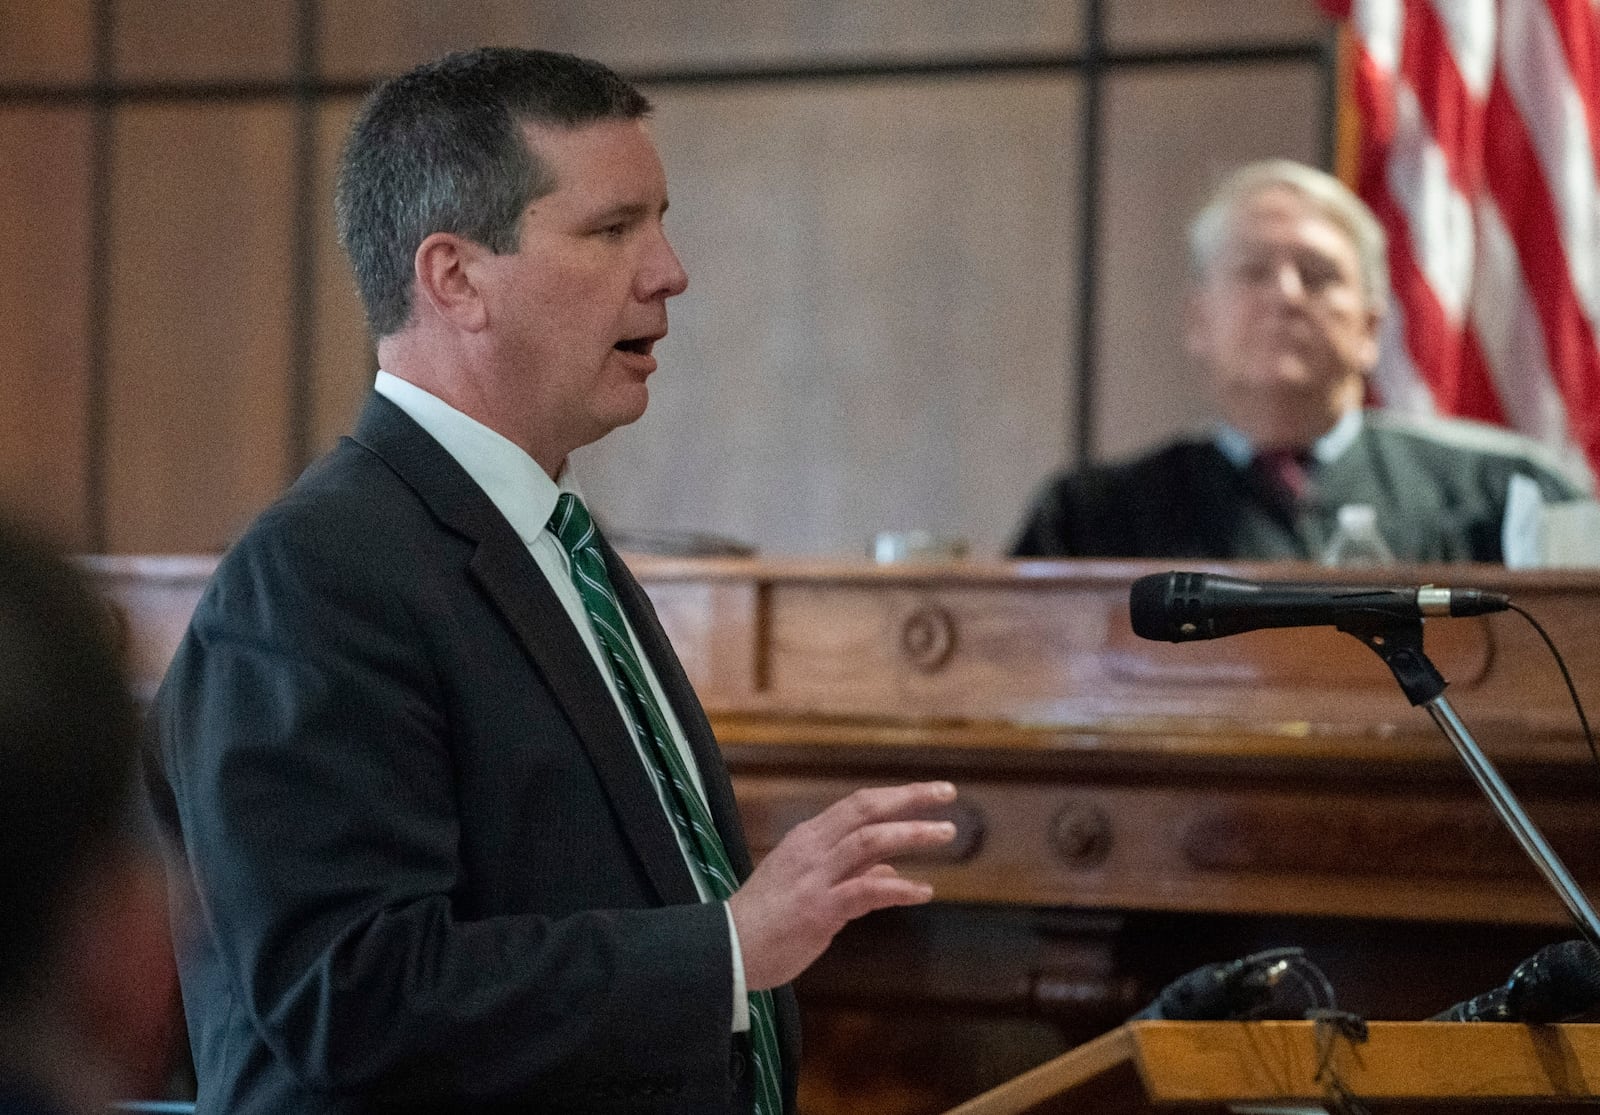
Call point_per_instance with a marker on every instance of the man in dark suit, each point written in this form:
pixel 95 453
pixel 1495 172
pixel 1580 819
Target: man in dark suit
pixel 456 827
pixel 1290 288
pixel 86 976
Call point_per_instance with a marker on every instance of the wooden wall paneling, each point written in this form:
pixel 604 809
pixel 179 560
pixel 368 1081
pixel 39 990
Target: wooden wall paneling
pixel 204 40
pixel 877 329
pixel 342 358
pixel 679 34
pixel 361 41
pixel 1200 24
pixel 199 323
pixel 46 43
pixel 1170 135
pixel 44 319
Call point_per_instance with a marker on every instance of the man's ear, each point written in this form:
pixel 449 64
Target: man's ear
pixel 1370 344
pixel 447 279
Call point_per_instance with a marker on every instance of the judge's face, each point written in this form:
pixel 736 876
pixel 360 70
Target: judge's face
pixel 577 309
pixel 1281 321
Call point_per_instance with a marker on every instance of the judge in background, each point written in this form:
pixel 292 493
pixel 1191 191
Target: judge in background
pixel 457 827
pixel 1289 289
pixel 86 968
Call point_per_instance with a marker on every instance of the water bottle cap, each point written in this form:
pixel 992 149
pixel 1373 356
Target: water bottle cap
pixel 1358 516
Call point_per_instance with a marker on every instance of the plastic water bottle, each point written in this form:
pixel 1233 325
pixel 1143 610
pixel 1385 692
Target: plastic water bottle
pixel 1356 541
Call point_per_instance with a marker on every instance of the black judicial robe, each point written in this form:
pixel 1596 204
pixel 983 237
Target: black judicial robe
pixel 1439 489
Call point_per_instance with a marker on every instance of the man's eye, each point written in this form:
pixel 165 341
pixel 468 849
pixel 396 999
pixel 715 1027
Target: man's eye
pixel 1318 276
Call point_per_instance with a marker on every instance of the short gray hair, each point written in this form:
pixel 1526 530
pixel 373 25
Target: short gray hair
pixel 440 149
pixel 1330 196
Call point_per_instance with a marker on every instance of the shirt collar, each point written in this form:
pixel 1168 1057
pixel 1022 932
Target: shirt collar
pixel 1234 445
pixel 521 490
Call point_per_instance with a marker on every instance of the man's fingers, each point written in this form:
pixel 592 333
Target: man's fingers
pixel 879 803
pixel 874 891
pixel 831 869
pixel 874 843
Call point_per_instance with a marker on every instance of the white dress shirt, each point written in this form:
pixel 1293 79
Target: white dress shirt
pixel 1328 448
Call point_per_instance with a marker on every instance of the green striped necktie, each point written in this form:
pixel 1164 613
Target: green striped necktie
pixel 664 762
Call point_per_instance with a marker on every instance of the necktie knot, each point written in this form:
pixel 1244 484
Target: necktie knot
pixel 1288 471
pixel 571 524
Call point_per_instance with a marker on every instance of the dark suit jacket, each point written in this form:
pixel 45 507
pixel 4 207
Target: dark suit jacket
pixel 1439 490
pixel 20 1098
pixel 428 869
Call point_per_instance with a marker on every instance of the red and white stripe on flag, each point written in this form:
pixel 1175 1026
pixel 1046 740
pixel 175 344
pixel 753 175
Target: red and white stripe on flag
pixel 1478 124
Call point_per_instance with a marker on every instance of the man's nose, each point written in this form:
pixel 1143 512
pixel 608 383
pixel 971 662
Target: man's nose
pixel 661 274
pixel 1287 283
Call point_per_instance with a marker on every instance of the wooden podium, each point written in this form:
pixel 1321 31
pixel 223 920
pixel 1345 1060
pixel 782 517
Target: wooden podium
pixel 1289 1067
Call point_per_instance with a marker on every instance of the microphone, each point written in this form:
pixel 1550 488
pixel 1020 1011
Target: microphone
pixel 1559 981
pixel 1217 992
pixel 1179 607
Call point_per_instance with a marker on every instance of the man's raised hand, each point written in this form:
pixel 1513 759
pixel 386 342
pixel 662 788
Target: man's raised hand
pixel 831 869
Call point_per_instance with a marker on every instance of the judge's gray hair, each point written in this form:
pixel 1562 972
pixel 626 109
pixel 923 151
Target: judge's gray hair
pixel 1331 197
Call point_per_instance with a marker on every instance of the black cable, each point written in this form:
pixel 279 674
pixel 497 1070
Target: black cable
pixel 1316 986
pixel 1328 1001
pixel 1329 1028
pixel 1566 676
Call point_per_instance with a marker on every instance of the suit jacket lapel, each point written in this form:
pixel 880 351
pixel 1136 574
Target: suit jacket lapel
pixel 517 587
pixel 691 716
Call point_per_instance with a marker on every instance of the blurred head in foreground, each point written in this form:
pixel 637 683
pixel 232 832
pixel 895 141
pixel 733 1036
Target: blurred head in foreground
pixel 86 969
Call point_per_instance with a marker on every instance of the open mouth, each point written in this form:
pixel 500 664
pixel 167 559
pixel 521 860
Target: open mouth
pixel 639 346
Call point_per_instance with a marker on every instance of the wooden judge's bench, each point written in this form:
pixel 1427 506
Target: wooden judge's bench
pixel 1128 810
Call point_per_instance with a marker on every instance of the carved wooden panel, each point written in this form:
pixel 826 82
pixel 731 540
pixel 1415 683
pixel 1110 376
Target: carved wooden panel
pixel 1373 835
pixel 806 661
pixel 1165 837
pixel 1462 650
pixel 1049 644
pixel 721 627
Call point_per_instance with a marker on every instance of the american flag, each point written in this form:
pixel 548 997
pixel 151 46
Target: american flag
pixel 1471 129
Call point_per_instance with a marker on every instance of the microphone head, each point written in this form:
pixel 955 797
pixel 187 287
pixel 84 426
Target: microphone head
pixel 1147 606
pixel 1179 607
pixel 1557 982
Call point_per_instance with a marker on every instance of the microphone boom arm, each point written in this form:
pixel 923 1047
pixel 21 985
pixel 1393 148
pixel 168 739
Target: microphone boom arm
pixel 1399 644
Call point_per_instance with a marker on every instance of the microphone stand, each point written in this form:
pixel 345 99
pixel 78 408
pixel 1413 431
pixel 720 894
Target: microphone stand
pixel 1399 644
